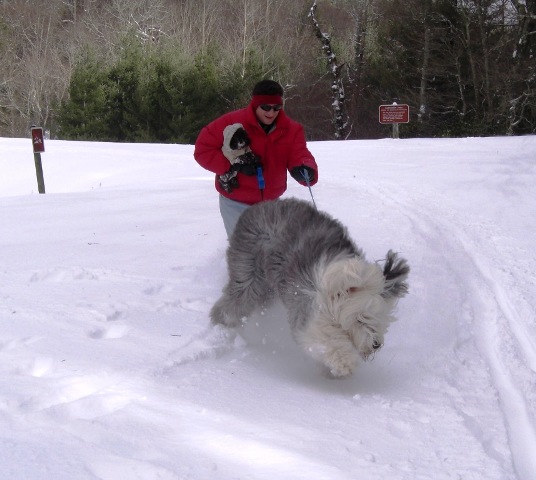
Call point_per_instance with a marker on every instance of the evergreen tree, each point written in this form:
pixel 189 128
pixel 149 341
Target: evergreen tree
pixel 84 115
pixel 123 102
pixel 159 100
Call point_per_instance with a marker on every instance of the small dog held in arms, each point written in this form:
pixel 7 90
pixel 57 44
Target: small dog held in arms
pixel 236 148
pixel 339 305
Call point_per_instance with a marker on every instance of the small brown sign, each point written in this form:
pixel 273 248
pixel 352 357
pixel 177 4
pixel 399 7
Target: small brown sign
pixel 37 140
pixel 394 113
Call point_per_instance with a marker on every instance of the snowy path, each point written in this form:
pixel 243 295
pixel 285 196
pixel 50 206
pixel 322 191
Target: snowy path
pixel 108 369
pixel 501 336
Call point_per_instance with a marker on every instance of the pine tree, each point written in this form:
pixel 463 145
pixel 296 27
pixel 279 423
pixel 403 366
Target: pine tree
pixel 84 115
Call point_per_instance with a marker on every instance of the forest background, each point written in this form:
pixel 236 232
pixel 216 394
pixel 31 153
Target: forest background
pixel 158 70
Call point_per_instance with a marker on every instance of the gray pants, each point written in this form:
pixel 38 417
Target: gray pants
pixel 230 211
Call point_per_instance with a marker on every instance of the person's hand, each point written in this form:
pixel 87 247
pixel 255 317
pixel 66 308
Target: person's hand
pixel 303 174
pixel 228 181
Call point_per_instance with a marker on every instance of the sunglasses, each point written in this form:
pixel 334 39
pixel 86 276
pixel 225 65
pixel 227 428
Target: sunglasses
pixel 275 108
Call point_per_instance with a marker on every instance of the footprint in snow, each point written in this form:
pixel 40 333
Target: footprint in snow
pixel 113 331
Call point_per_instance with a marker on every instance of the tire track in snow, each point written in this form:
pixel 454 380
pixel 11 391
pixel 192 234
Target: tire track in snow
pixel 503 340
pixel 508 351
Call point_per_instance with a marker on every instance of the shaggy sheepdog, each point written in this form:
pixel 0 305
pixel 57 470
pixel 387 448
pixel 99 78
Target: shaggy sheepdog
pixel 339 305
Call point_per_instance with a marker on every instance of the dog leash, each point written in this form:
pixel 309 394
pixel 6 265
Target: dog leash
pixel 308 182
pixel 260 181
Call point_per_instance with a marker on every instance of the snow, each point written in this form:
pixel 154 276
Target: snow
pixel 109 369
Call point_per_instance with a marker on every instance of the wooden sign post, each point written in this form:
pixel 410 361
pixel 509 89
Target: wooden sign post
pixel 394 114
pixel 38 147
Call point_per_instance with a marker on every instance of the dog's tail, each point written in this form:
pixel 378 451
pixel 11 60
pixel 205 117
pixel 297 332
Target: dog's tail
pixel 395 271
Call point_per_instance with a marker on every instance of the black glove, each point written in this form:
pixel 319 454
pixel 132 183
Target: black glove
pixel 247 164
pixel 228 181
pixel 303 174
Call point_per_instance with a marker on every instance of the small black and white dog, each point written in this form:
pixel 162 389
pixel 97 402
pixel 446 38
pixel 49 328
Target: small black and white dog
pixel 236 148
pixel 339 305
pixel 240 138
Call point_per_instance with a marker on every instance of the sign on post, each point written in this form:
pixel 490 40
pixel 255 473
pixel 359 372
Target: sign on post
pixel 37 140
pixel 394 114
pixel 38 143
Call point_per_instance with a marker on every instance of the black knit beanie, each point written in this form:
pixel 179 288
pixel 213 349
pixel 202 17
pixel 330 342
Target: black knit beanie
pixel 268 87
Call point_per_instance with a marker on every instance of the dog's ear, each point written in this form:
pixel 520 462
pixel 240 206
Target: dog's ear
pixel 245 136
pixel 395 272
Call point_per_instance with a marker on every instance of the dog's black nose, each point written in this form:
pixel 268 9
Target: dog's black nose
pixel 376 345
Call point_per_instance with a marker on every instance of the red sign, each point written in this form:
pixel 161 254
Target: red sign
pixel 394 113
pixel 37 140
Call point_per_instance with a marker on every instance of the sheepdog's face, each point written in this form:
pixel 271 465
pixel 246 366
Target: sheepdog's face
pixel 353 306
pixel 365 317
pixel 359 297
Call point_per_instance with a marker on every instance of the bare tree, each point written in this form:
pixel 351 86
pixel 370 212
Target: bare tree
pixel 33 74
pixel 423 90
pixel 523 98
pixel 360 13
pixel 340 117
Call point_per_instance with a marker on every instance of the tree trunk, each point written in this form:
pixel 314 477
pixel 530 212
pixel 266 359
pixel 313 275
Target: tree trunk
pixel 360 37
pixel 486 66
pixel 424 76
pixel 340 117
pixel 522 114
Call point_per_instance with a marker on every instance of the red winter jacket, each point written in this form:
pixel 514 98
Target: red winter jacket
pixel 280 151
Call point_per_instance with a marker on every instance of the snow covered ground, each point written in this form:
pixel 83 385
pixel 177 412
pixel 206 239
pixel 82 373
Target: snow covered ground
pixel 109 370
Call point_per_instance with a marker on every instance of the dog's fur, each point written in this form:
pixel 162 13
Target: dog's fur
pixel 339 305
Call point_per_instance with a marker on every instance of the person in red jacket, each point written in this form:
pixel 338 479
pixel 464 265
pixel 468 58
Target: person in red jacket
pixel 250 151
